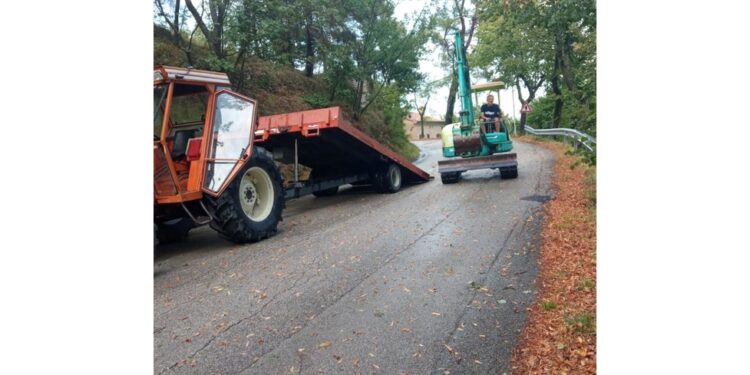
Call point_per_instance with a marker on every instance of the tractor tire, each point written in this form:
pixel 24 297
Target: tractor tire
pixel 173 230
pixel 450 177
pixel 326 192
pixel 509 173
pixel 388 181
pixel 249 210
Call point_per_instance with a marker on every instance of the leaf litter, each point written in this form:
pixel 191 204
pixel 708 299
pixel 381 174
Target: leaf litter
pixel 563 340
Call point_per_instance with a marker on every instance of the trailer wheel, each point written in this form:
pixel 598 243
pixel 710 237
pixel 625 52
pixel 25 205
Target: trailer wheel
pixel 389 181
pixel 173 230
pixel 318 174
pixel 249 210
pixel 326 192
pixel 450 177
pixel 509 173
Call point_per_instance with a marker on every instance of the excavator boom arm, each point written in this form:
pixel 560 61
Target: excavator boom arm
pixel 464 83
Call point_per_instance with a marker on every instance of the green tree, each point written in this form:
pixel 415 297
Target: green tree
pixel 173 16
pixel 513 45
pixel 533 42
pixel 421 98
pixel 455 16
pixel 213 27
pixel 384 52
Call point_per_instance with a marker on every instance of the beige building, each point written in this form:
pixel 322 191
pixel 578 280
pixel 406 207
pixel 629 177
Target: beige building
pixel 413 128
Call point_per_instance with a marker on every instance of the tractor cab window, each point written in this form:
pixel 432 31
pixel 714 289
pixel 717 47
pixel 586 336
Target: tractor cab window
pixel 186 117
pixel 189 105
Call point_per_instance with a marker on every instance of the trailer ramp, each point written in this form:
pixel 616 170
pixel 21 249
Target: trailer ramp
pixel 336 151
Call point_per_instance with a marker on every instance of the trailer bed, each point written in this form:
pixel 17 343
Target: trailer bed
pixel 336 151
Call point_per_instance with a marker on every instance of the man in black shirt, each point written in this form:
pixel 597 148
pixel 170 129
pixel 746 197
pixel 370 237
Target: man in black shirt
pixel 491 113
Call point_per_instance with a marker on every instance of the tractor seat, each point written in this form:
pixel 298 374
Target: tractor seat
pixel 181 138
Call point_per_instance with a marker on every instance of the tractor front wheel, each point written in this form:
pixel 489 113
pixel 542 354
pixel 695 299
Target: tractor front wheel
pixel 172 230
pixel 249 210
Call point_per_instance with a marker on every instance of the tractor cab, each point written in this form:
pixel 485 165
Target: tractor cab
pixel 202 130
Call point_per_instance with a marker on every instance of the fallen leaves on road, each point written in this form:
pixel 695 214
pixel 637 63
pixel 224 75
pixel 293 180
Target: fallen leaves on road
pixel 325 345
pixel 560 333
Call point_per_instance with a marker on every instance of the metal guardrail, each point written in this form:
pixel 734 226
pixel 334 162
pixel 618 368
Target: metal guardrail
pixel 581 137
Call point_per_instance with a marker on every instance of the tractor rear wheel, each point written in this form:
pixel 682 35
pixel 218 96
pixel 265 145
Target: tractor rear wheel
pixel 389 179
pixel 249 209
pixel 509 173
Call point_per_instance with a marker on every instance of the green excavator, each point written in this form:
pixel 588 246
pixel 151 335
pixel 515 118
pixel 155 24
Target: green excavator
pixel 471 144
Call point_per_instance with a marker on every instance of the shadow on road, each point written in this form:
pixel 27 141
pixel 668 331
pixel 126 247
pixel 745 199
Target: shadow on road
pixel 206 240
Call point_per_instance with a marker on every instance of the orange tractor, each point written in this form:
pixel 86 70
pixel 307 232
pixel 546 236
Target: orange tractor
pixel 217 162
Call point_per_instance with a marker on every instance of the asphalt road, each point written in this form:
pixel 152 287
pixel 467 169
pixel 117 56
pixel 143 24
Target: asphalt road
pixel 430 280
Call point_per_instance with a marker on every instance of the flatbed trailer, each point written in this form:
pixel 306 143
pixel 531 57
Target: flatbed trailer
pixel 336 151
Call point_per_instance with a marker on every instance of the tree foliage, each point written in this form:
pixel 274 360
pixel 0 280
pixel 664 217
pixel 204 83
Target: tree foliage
pixel 455 15
pixel 543 43
pixel 358 48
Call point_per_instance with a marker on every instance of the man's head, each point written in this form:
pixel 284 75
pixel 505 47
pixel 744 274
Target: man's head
pixel 490 99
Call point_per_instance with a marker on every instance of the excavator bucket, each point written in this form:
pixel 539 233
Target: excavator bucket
pixel 468 143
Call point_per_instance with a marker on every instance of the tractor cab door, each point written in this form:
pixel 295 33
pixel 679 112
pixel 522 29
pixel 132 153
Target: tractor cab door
pixel 179 118
pixel 230 139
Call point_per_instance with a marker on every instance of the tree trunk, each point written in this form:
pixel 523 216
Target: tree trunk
pixel 357 105
pixel 290 49
pixel 309 47
pixel 213 36
pixel 451 100
pixel 522 125
pixel 334 89
pixel 557 112
pixel 176 23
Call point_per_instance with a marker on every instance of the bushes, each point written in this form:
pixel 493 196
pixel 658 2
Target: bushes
pixel 385 122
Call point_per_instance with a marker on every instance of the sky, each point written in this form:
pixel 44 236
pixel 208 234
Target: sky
pixel 430 66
